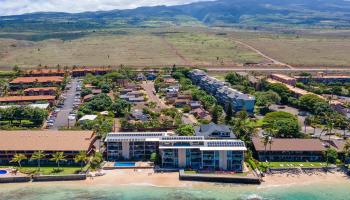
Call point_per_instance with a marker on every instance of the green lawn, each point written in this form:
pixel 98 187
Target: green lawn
pixel 296 164
pixel 52 170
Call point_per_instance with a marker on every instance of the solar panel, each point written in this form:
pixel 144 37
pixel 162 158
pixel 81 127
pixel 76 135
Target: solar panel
pixel 225 144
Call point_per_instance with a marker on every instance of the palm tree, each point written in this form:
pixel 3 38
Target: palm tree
pixel 58 157
pixel 18 158
pixel 81 158
pixel 265 141
pixel 38 155
pixel 328 128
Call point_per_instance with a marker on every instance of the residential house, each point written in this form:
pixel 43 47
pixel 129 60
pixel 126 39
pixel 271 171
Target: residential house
pixel 138 115
pixel 201 113
pixel 215 131
pixel 195 104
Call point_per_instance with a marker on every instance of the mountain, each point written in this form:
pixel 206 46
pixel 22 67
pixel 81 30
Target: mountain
pixel 244 13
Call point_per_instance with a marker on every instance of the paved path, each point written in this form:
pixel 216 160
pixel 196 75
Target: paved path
pixel 274 61
pixel 148 86
pixel 62 116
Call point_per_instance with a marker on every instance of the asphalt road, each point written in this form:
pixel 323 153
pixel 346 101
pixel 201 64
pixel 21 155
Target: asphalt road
pixel 62 116
pixel 148 86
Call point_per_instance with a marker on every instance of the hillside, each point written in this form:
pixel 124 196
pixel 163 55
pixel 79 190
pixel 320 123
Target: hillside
pixel 254 14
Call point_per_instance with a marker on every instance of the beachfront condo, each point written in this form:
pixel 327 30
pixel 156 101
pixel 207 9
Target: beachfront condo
pixel 185 152
pixel 132 145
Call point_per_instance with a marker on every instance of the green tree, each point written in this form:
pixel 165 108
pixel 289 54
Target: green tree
pixel 120 107
pixel 185 130
pixel 217 113
pixel 81 158
pixel 331 155
pixel 105 88
pixel 18 158
pixel 57 158
pixel 38 156
pixel 85 91
pixel 281 90
pixel 186 108
pixel 229 113
pixel 286 124
pixel 311 102
pixel 265 99
pixel 96 160
pixel 243 127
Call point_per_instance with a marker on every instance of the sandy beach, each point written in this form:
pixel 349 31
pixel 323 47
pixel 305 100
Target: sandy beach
pixel 146 177
pixel 305 179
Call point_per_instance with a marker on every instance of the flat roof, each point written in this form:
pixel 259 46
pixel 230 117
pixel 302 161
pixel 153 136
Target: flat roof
pixel 135 136
pixel 46 140
pixel 88 117
pixel 26 98
pixel 279 144
pixel 39 79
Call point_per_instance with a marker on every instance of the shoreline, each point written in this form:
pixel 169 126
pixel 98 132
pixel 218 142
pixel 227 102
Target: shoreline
pixel 147 178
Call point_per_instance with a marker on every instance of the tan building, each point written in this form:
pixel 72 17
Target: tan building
pixel 28 142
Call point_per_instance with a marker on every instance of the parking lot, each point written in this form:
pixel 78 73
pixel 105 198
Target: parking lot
pixel 65 112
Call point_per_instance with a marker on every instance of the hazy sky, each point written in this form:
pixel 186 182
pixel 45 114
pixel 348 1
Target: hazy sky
pixel 13 7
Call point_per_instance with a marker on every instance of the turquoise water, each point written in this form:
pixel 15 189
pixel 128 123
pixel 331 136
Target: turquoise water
pixel 124 164
pixel 229 192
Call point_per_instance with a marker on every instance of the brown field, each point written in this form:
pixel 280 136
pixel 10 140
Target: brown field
pixel 199 47
pixel 308 50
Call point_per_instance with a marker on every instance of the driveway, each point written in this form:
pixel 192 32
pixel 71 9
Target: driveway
pixel 62 116
pixel 148 86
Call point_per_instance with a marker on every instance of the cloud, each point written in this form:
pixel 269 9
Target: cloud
pixel 14 7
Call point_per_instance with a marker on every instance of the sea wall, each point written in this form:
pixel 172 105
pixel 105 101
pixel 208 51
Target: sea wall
pixel 218 178
pixel 15 179
pixel 71 177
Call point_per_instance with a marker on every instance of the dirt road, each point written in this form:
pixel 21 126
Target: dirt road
pixel 274 61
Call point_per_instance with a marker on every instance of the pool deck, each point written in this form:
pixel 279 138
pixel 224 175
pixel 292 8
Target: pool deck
pixel 138 165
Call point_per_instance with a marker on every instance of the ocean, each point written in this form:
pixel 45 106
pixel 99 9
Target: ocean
pixel 51 191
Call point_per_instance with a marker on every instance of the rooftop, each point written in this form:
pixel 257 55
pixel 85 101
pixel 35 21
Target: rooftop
pixel 135 136
pixel 40 79
pixel 282 76
pixel 279 144
pixel 46 140
pixel 44 71
pixel 27 98
pixel 207 130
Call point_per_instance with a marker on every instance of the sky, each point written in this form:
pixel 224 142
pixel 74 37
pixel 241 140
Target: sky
pixel 15 7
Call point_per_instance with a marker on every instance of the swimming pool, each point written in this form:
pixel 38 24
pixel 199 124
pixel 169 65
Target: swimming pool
pixel 124 164
pixel 2 172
